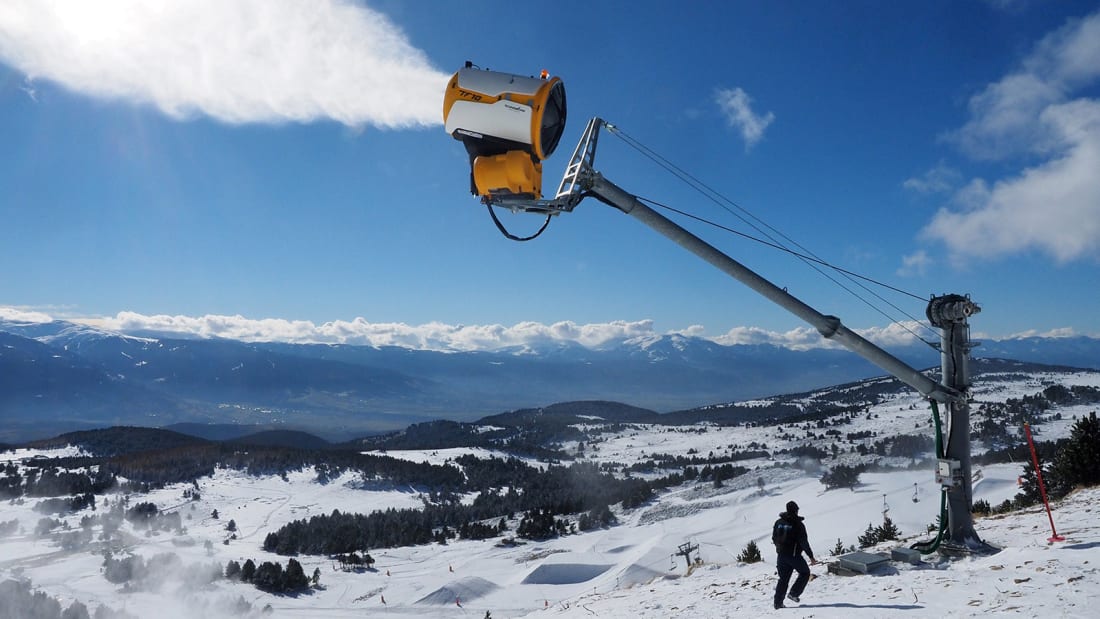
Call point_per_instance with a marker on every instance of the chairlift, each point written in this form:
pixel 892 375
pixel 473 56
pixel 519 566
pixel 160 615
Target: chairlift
pixel 916 499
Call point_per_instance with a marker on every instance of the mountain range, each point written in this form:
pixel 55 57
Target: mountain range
pixel 60 376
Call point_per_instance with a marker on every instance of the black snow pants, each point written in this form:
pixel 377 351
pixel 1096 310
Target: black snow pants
pixel 785 565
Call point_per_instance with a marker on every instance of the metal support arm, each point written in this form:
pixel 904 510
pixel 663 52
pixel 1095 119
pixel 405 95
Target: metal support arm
pixel 949 313
pixel 830 327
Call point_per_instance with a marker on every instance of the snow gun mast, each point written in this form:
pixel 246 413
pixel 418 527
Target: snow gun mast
pixel 509 123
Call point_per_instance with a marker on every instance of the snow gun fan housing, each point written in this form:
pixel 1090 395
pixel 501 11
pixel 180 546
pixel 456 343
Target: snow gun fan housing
pixel 508 124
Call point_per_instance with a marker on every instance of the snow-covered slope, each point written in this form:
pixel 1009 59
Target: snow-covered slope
pixel 628 570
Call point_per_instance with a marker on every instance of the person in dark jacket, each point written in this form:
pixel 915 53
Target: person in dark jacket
pixel 789 536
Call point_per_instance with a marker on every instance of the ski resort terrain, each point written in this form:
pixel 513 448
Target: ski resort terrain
pixel 633 568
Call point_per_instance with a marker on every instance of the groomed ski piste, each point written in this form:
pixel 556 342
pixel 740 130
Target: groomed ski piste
pixel 631 569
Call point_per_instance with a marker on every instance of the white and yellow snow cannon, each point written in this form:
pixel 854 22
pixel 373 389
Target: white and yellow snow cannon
pixel 508 124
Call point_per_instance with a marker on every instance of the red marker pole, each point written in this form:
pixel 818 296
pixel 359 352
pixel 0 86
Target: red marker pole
pixel 1042 488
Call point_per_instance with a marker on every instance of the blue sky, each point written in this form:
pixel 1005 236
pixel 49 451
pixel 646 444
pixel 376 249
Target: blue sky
pixel 279 170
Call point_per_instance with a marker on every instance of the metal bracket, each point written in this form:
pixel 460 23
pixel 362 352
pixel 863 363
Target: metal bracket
pixel 574 183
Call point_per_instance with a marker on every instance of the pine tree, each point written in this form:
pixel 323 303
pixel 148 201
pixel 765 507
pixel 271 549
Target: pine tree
pixel 869 537
pixel 271 542
pixel 750 554
pixel 269 577
pixel 842 476
pixel 294 578
pixel 1029 490
pixel 248 571
pixel 888 530
pixel 76 611
pixel 1078 461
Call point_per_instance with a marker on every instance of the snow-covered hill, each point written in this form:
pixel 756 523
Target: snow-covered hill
pixel 628 570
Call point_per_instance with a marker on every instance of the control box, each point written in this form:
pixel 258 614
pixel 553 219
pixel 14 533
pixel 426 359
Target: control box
pixel 949 473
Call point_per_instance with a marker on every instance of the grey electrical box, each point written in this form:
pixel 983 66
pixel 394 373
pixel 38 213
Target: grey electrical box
pixel 949 473
pixel 862 562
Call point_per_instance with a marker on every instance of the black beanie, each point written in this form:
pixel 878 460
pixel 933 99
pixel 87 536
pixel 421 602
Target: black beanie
pixel 792 507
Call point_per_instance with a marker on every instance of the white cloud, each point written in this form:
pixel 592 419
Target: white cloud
pixel 237 61
pixel 895 334
pixel 28 87
pixel 1055 333
pixel 1004 117
pixel 691 331
pixel 15 314
pixel 915 264
pixel 1053 206
pixel 807 338
pixel 737 107
pixel 801 338
pixel 939 179
pixel 430 336
pixel 443 337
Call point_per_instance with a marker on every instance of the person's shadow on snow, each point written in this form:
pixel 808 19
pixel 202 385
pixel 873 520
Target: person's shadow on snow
pixel 849 605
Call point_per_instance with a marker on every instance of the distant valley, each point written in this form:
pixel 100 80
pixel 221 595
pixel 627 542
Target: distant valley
pixel 59 376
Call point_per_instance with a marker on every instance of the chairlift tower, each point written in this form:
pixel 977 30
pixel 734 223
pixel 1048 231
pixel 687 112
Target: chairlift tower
pixel 507 184
pixel 685 550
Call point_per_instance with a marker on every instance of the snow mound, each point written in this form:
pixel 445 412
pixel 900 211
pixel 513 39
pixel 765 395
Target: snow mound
pixel 564 573
pixel 463 589
pixel 636 574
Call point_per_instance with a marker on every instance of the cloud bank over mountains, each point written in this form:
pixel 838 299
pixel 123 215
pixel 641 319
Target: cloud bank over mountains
pixel 438 336
pixel 238 62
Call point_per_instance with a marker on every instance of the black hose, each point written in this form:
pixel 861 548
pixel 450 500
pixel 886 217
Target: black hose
pixel 512 237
